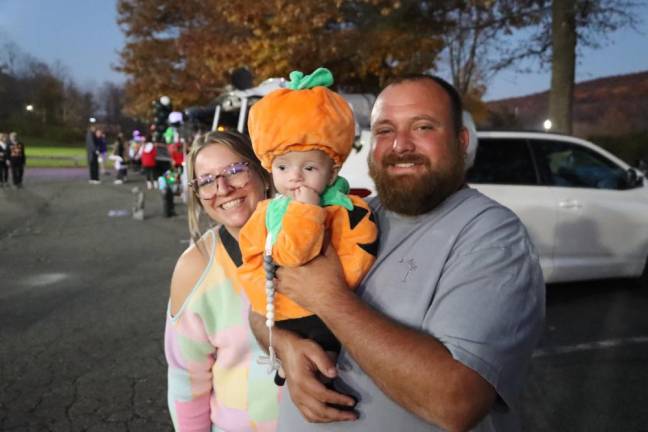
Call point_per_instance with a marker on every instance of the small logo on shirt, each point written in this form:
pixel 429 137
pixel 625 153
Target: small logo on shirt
pixel 411 266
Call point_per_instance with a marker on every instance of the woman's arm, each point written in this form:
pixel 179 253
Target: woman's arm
pixel 188 350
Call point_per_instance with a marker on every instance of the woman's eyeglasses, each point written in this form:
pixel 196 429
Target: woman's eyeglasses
pixel 235 175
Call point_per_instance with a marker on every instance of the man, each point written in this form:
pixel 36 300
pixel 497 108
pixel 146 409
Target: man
pixel 93 155
pixel 440 333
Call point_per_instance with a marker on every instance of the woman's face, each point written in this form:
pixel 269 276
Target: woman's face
pixel 231 206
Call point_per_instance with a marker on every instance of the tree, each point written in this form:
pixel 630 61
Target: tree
pixel 479 44
pixel 186 50
pixel 111 97
pixel 576 24
pixel 60 109
pixel 563 64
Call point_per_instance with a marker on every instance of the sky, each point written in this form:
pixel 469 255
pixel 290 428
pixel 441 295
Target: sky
pixel 84 36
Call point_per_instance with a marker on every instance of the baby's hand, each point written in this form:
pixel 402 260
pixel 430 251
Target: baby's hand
pixel 306 195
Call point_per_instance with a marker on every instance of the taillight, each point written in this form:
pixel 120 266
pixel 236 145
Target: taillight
pixel 361 192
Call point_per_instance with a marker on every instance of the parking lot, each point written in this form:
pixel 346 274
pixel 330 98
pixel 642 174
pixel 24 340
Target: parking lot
pixel 83 295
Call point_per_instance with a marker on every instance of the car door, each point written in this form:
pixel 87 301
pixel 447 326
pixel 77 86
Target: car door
pixel 601 228
pixel 504 171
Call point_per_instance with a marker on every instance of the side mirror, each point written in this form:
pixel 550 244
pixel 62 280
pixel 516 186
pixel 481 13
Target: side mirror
pixel 633 179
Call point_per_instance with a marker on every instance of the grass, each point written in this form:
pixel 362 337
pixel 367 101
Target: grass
pixel 55 157
pixel 31 141
pixel 47 153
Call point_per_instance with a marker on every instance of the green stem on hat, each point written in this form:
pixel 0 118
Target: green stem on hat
pixel 320 77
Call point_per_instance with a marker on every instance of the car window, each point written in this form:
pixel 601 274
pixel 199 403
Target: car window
pixel 572 165
pixel 503 161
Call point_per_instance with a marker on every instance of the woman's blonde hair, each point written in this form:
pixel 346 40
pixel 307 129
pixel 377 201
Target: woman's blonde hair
pixel 239 144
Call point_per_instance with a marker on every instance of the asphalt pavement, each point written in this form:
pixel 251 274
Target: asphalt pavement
pixel 83 292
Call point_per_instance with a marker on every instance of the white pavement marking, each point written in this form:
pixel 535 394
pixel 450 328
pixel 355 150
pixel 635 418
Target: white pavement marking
pixel 604 344
pixel 44 279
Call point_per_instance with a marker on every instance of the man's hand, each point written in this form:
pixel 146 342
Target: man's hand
pixel 314 284
pixel 305 363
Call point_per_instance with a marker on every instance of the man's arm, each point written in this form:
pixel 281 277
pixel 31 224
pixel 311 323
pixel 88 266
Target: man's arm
pixel 303 360
pixel 412 368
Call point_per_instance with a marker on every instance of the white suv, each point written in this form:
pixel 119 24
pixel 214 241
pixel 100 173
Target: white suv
pixel 585 209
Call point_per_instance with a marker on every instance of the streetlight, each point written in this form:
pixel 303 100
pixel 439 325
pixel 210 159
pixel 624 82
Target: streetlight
pixel 92 120
pixel 29 107
pixel 547 125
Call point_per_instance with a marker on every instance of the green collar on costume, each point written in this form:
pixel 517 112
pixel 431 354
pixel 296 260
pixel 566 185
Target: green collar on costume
pixel 336 194
pixel 320 77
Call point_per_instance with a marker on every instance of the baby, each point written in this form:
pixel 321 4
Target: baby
pixel 302 134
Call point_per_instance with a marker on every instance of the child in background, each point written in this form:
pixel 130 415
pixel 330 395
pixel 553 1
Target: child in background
pixel 134 151
pixel 302 135
pixel 119 158
pixel 148 154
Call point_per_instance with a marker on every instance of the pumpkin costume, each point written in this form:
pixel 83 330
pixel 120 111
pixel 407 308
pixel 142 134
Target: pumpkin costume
pixel 306 116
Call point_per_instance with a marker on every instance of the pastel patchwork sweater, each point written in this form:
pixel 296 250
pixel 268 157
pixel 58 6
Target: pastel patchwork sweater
pixel 214 381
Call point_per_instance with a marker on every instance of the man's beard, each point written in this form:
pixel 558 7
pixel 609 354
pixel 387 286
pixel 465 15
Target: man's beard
pixel 416 194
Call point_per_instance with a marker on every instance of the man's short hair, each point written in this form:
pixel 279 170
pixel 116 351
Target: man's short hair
pixel 456 106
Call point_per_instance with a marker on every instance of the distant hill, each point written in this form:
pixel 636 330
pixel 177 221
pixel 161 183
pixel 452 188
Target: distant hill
pixel 610 106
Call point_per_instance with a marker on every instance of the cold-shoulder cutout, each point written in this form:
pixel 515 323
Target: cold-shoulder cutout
pixel 188 271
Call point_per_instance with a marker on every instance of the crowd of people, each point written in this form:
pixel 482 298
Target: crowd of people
pixel 12 160
pixel 140 154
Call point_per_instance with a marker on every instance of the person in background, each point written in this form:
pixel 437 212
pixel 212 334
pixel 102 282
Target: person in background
pixel 120 159
pixel 134 153
pixel 93 154
pixel 441 331
pixel 148 154
pixel 176 152
pixel 4 160
pixel 102 146
pixel 17 159
pixel 214 380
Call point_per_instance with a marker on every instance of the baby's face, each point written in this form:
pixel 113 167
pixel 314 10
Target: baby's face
pixel 312 169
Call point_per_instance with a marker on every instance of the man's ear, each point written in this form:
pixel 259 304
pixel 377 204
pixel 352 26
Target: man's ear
pixel 334 174
pixel 463 137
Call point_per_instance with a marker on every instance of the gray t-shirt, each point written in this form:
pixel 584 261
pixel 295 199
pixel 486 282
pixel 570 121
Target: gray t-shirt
pixel 465 273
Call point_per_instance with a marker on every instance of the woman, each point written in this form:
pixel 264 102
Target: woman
pixel 215 382
pixel 17 159
pixel 4 160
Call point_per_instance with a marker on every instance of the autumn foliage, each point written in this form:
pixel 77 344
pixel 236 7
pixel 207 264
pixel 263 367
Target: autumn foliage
pixel 187 50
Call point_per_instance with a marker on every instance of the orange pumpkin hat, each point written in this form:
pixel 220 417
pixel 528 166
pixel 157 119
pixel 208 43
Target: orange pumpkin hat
pixel 305 116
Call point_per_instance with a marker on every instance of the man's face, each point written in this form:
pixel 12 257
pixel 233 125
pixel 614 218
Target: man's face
pixel 417 158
